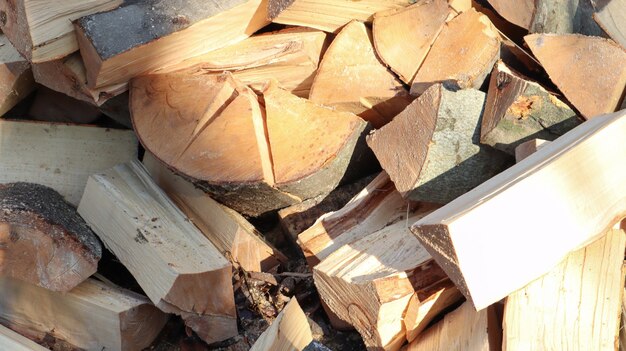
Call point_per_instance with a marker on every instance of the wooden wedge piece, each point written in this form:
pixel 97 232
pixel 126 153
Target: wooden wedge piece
pixel 584 292
pixel 175 264
pixel 229 232
pixel 462 56
pixel 67 75
pixel 403 37
pixel 377 97
pixel 611 16
pixel 518 109
pixel 60 156
pixel 479 235
pixel 93 316
pixel 52 106
pixel 431 150
pixel 528 148
pixel 566 16
pixel 10 340
pixel 116 46
pixel 590 71
pixel 461 329
pixel 370 282
pixel 42 30
pixel 15 74
pixel 290 56
pixel 327 15
pixel 520 13
pixel 427 305
pixel 290 331
pixel 43 241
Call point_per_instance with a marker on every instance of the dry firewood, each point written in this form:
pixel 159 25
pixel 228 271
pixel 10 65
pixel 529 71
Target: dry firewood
pixel 370 282
pixel 42 30
pixel 403 37
pixel 290 331
pixel 528 148
pixel 427 305
pixel 611 16
pixel 519 13
pixel 15 74
pixel 52 106
pixel 175 264
pixel 590 71
pixel 431 150
pixel 290 56
pixel 584 292
pixel 518 109
pixel 10 340
pixel 462 329
pixel 479 235
pixel 327 15
pixel 67 75
pixel 351 58
pixel 60 156
pixel 140 37
pixel 92 316
pixel 565 16
pixel 462 55
pixel 43 240
pixel 229 232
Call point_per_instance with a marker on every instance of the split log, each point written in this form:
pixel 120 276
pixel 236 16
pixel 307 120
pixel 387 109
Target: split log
pixel 403 37
pixel 479 235
pixel 565 16
pixel 611 16
pixel 175 264
pixel 229 232
pixel 52 106
pixel 60 156
pixel 67 75
pixel 589 71
pixel 43 240
pixel 327 15
pixel 583 293
pixel 92 316
pixel 518 110
pixel 427 305
pixel 290 331
pixel 15 74
pixel 462 55
pixel 431 150
pixel 350 58
pixel 528 148
pixel 290 56
pixel 140 37
pixel 42 30
pixel 370 282
pixel 520 13
pixel 10 340
pixel 462 329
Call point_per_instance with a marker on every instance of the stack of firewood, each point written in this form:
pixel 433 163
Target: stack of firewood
pixel 380 136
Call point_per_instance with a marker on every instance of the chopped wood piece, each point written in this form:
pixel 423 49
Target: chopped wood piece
pixel 462 55
pixel 10 340
pixel 140 37
pixel 370 282
pixel 290 56
pixel 589 71
pixel 462 329
pixel 328 15
pixel 52 106
pixel 584 292
pixel 460 6
pixel 67 75
pixel 352 78
pixel 41 30
pixel 518 109
pixel 403 37
pixel 43 240
pixel 229 232
pixel 15 74
pixel 174 263
pixel 528 148
pixel 479 235
pixel 611 16
pixel 117 109
pixel 425 306
pixel 93 316
pixel 431 150
pixel 60 156
pixel 565 16
pixel 519 13
pixel 290 331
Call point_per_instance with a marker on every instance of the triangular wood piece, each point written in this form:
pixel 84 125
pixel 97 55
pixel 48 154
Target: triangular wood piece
pixel 611 16
pixel 462 55
pixel 290 331
pixel 352 78
pixel 15 75
pixel 519 13
pixel 403 37
pixel 590 71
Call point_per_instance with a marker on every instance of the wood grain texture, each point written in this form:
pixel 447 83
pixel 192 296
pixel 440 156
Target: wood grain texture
pixel 611 16
pixel 519 13
pixel 565 16
pixel 10 340
pixel 16 76
pixel 290 331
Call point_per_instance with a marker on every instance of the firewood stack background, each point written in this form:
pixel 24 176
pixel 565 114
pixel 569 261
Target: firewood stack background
pixel 312 175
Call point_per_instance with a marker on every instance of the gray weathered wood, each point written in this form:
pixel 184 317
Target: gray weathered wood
pixel 565 16
pixel 611 16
